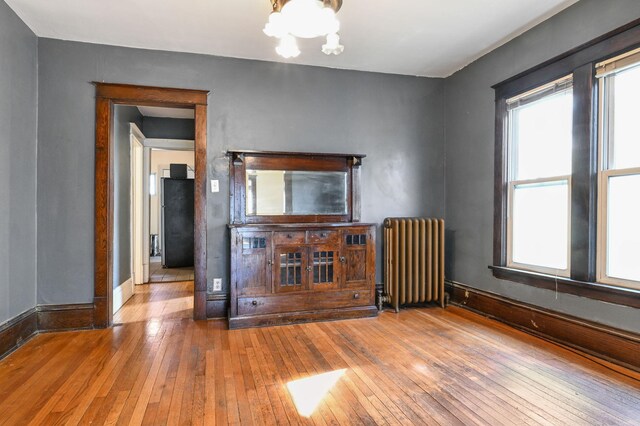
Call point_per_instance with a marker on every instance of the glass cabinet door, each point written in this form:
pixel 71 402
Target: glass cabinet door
pixel 254 263
pixel 325 262
pixel 290 272
pixel 357 246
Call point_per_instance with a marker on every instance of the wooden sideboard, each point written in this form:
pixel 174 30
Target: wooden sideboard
pixel 298 252
pixel 301 272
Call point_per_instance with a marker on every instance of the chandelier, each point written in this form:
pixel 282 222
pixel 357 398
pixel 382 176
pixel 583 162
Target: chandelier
pixel 292 19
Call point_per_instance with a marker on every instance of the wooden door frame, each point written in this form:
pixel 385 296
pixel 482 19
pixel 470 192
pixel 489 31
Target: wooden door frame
pixel 108 95
pixel 137 203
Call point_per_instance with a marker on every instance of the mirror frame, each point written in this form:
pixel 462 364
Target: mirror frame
pixel 240 161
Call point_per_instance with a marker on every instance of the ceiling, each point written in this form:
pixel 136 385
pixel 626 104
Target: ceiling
pixel 162 112
pixel 431 38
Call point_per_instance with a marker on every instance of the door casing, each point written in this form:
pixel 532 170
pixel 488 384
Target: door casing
pixel 108 95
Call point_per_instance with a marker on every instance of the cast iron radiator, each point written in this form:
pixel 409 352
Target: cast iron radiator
pixel 413 261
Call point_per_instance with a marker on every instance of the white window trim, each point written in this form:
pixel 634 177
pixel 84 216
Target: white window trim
pixel 537 268
pixel 605 147
pixel 603 205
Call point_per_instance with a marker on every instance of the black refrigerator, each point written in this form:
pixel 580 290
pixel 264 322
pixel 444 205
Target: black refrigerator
pixel 177 200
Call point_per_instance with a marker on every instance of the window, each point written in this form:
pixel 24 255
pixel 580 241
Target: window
pixel 619 171
pixel 567 172
pixel 539 175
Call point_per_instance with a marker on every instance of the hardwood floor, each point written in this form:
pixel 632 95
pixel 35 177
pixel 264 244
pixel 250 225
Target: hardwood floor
pixel 422 366
pixel 158 274
pixel 157 301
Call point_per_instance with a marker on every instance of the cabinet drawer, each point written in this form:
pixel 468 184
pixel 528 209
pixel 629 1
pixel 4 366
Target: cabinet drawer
pixel 285 238
pixel 304 301
pixel 322 237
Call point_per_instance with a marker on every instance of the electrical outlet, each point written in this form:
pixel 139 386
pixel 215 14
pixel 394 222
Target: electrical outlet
pixel 215 185
pixel 217 284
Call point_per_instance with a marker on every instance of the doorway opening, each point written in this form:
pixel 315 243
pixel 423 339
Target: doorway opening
pixel 159 173
pixel 146 208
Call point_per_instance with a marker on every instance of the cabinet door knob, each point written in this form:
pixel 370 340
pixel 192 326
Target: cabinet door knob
pixel 356 296
pixel 269 262
pixel 323 235
pixel 343 259
pixel 308 268
pixel 254 302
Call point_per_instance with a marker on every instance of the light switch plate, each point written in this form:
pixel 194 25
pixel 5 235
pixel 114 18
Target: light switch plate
pixel 217 284
pixel 215 185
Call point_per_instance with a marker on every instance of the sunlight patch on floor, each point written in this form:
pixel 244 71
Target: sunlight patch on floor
pixel 309 392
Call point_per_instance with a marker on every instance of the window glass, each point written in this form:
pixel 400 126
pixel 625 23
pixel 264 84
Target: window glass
pixel 623 227
pixel 626 120
pixel 541 224
pixel 542 135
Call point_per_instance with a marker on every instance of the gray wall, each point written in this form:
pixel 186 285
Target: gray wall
pixel 469 128
pixel 18 134
pixel 396 120
pixel 123 116
pixel 399 122
pixel 168 128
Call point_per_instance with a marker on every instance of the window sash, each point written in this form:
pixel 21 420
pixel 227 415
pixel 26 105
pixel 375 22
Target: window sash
pixel 603 211
pixel 618 64
pixel 606 145
pixel 557 86
pixel 510 198
pixel 512 123
pixel 562 85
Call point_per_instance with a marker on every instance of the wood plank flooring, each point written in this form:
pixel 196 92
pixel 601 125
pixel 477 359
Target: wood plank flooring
pixel 422 366
pixel 151 302
pixel 158 274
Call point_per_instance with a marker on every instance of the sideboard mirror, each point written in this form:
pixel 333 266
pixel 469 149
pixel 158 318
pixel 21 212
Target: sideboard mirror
pixel 280 187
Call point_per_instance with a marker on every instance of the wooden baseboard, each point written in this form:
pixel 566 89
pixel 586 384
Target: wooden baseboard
pixel 65 317
pixel 217 306
pixel 17 331
pixel 302 317
pixel 617 346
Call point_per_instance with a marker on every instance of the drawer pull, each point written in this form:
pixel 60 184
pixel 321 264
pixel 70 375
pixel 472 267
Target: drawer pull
pixel 323 235
pixel 289 236
pixel 254 302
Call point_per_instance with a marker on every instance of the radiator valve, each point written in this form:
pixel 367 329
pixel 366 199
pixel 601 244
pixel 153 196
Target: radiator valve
pixel 382 299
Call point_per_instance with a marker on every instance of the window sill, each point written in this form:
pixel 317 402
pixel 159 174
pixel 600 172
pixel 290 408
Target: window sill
pixel 597 291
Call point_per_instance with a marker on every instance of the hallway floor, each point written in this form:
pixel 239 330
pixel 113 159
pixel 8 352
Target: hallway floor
pixel 158 274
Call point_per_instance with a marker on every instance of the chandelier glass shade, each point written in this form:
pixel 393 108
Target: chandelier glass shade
pixel 304 19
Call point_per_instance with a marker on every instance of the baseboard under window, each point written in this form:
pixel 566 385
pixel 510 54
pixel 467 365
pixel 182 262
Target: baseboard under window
pixel 605 342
